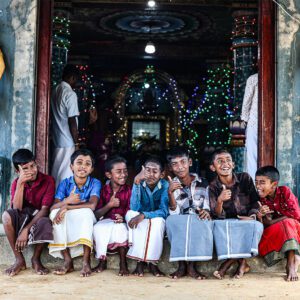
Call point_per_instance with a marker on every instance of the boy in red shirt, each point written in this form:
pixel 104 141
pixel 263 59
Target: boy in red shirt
pixel 27 222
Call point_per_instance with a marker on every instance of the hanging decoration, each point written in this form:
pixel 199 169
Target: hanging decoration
pixel 61 44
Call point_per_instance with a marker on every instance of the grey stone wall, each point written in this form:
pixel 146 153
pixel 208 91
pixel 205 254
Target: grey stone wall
pixel 18 24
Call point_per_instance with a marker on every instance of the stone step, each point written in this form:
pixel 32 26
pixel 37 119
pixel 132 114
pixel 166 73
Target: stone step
pixel 6 258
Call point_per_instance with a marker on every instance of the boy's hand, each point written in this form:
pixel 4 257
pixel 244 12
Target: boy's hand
pixel 246 218
pixel 133 223
pixel 24 175
pixel 264 210
pixel 141 176
pixel 60 215
pixel 114 202
pixel 203 214
pixel 119 218
pixel 225 194
pixel 173 186
pixel 73 198
pixel 22 240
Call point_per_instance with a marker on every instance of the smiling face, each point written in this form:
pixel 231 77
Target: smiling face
pixel 222 164
pixel 153 174
pixel 118 174
pixel 82 166
pixel 265 187
pixel 180 166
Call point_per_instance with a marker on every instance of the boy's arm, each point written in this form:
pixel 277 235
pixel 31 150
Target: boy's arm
pixel 113 202
pixel 267 221
pixel 135 199
pixel 73 128
pixel 216 203
pixel 254 198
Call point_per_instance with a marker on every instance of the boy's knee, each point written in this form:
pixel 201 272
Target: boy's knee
pixel 6 219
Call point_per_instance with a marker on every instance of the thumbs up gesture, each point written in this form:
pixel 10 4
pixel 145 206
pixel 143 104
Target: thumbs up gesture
pixel 114 202
pixel 225 194
pixel 73 197
pixel 173 185
pixel 141 176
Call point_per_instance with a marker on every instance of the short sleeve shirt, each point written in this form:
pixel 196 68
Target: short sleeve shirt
pixel 92 187
pixel 64 105
pixel 39 193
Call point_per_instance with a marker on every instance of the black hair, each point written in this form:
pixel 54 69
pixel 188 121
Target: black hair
pixel 269 171
pixel 84 152
pixel 156 160
pixel 21 157
pixel 177 151
pixel 111 161
pixel 217 152
pixel 69 71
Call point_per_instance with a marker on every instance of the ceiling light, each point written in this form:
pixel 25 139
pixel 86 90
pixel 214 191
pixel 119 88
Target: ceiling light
pixel 146 85
pixel 150 48
pixel 151 3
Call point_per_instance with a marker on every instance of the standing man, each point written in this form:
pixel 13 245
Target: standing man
pixel 64 109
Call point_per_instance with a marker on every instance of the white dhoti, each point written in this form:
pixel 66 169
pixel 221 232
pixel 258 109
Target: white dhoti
pixel 61 164
pixel 251 151
pixel 73 232
pixel 109 235
pixel 146 240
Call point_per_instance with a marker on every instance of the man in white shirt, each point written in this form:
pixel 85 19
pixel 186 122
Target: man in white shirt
pixel 64 109
pixel 250 116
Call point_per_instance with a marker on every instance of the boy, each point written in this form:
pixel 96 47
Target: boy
pixel 111 231
pixel 146 219
pixel 280 214
pixel 233 199
pixel 72 214
pixel 188 207
pixel 27 222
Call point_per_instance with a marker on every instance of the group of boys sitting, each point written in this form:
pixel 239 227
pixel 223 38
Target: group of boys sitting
pixel 229 216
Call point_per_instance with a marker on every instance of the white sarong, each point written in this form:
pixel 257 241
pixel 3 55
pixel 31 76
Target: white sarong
pixel 61 164
pixel 146 240
pixel 109 235
pixel 73 232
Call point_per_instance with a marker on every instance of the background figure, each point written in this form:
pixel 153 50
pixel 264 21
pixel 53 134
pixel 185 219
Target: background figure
pixel 64 109
pixel 250 115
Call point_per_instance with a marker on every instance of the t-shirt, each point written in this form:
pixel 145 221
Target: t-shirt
pixel 39 193
pixel 64 105
pixel 92 187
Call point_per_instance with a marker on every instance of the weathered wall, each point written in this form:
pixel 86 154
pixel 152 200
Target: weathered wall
pixel 288 95
pixel 18 24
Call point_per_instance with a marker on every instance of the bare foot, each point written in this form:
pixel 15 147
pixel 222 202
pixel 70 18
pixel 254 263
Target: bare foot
pixel 242 269
pixel 101 266
pixel 67 268
pixel 220 273
pixel 139 270
pixel 180 272
pixel 192 272
pixel 86 270
pixel 18 266
pixel 123 271
pixel 38 267
pixel 155 270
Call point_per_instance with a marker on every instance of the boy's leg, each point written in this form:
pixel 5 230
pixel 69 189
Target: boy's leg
pixel 153 268
pixel 36 260
pixel 68 264
pixel 123 262
pixel 86 262
pixel 139 270
pixel 11 236
pixel 297 262
pixel 101 266
pixel 220 273
pixel 242 268
pixel 192 271
pixel 181 271
pixel 291 267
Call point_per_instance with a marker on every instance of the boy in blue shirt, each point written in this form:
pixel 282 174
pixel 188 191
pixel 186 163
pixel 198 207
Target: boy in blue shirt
pixel 146 219
pixel 72 214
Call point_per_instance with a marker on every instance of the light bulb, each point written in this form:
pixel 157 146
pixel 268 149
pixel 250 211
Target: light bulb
pixel 150 48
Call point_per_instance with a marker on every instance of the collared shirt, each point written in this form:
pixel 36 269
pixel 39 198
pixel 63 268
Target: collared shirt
pixel 92 187
pixel 151 203
pixel 188 199
pixel 123 195
pixel 243 200
pixel 39 193
pixel 64 105
pixel 250 102
pixel 285 203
